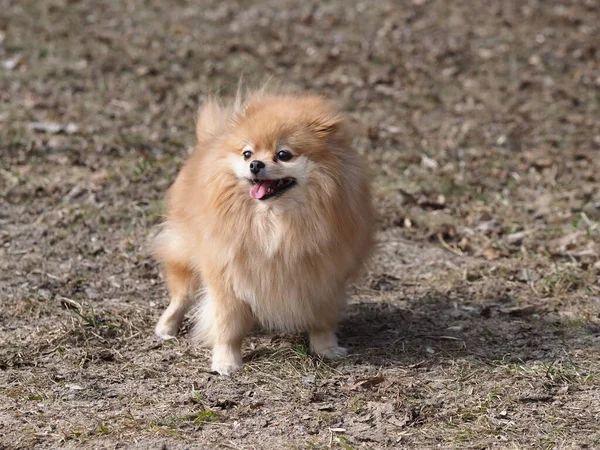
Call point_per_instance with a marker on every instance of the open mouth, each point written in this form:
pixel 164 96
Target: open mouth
pixel 263 189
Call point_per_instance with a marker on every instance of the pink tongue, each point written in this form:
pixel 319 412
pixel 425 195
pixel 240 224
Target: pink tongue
pixel 259 190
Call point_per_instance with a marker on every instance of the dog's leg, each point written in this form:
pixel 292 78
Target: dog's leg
pixel 324 343
pixel 182 282
pixel 223 322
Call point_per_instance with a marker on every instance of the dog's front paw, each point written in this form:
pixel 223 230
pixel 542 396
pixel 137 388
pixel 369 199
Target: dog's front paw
pixel 168 325
pixel 225 368
pixel 335 352
pixel 226 360
pixel 165 330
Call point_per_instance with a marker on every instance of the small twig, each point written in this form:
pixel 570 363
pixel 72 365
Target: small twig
pixel 447 338
pixel 99 337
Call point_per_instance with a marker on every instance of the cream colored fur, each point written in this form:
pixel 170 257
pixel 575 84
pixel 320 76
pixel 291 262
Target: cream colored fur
pixel 283 262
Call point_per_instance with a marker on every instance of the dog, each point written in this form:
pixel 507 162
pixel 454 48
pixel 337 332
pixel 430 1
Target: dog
pixel 269 219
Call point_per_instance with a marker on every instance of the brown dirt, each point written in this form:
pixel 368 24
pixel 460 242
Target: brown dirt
pixel 478 324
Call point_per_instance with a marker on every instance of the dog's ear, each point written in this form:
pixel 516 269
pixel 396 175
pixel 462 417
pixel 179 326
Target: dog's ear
pixel 211 118
pixel 326 125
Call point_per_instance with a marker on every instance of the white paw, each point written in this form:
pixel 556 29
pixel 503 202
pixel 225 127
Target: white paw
pixel 166 331
pixel 226 359
pixel 334 352
pixel 325 344
pixel 225 367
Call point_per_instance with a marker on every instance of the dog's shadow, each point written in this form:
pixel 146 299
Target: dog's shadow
pixel 426 330
pixel 431 328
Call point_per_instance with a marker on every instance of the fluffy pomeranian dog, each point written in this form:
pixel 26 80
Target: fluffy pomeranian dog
pixel 268 221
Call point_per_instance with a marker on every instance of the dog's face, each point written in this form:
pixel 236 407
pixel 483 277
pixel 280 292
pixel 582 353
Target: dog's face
pixel 281 150
pixel 273 171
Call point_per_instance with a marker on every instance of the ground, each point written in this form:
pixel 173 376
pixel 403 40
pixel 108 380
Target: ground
pixel 477 324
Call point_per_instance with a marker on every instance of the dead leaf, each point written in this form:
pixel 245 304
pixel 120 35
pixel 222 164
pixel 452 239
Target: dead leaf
pixel 490 253
pixel 516 238
pixel 410 416
pixel 380 409
pixel 464 245
pixel 393 129
pixel 325 407
pixel 400 423
pixel 488 226
pixel 521 311
pixel 53 127
pixel 527 276
pixel 13 63
pixel 428 162
pixel 364 383
pixel 485 53
pixel 567 242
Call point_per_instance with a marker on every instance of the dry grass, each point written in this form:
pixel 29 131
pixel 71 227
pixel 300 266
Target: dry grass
pixel 477 325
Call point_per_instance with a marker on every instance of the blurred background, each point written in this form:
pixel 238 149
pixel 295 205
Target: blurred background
pixel 481 121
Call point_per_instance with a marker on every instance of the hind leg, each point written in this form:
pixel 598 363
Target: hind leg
pixel 323 340
pixel 324 343
pixel 182 283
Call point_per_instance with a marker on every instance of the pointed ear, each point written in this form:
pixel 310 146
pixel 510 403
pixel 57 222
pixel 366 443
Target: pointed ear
pixel 210 119
pixel 325 126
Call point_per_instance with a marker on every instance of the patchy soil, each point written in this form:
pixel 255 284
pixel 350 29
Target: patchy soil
pixel 478 324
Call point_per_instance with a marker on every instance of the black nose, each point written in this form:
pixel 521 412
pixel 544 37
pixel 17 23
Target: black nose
pixel 256 165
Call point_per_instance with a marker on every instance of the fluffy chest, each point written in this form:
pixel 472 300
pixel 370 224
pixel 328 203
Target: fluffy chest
pixel 283 276
pixel 286 294
pixel 266 238
pixel 274 262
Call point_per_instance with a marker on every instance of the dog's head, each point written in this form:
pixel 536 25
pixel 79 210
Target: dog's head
pixel 282 149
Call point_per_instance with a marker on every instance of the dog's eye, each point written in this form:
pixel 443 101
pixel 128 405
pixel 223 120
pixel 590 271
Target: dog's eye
pixel 284 155
pixel 247 154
